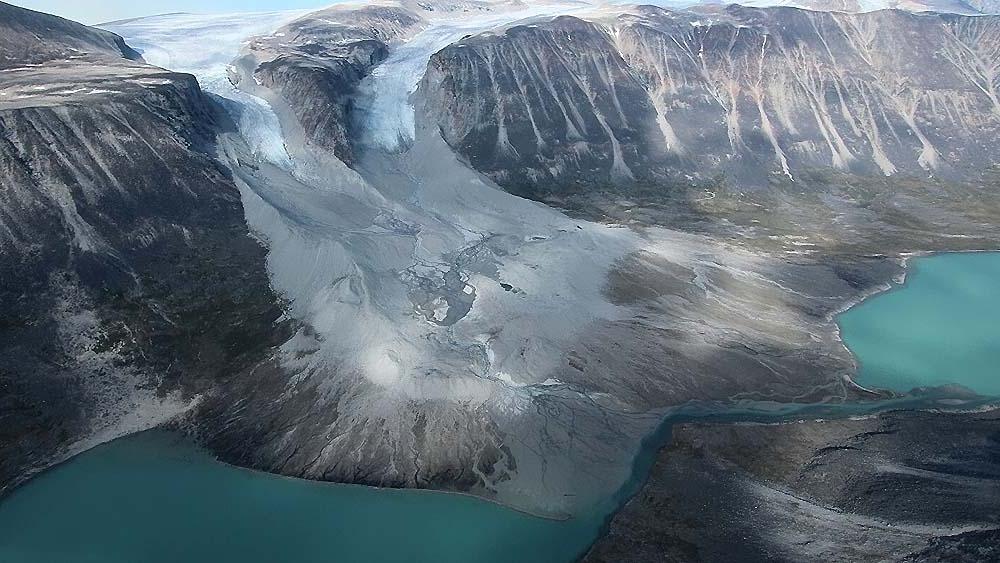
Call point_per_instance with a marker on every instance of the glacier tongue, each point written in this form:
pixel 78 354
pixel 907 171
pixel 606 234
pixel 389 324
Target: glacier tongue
pixel 452 247
pixel 205 46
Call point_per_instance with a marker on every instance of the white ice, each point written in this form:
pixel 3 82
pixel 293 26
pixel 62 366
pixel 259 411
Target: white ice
pixel 348 250
pixel 205 46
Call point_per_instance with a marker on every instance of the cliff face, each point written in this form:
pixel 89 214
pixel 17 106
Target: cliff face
pixel 949 6
pixel 754 95
pixel 543 103
pixel 130 284
pixel 315 64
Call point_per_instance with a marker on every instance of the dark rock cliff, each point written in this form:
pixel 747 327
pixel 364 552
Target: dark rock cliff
pixel 543 104
pixel 33 37
pixel 130 285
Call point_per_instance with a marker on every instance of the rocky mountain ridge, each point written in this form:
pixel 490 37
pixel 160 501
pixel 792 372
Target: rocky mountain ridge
pixel 964 7
pixel 899 486
pixel 33 37
pixel 755 96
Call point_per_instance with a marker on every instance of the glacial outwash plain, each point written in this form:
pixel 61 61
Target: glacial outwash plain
pixel 587 261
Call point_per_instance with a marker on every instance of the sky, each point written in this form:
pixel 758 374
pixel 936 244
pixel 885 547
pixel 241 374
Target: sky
pixel 98 11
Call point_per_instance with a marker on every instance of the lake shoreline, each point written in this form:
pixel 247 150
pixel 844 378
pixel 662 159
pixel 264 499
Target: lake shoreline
pixel 899 282
pixel 903 281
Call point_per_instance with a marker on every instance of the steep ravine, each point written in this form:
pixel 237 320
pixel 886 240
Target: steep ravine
pixel 315 67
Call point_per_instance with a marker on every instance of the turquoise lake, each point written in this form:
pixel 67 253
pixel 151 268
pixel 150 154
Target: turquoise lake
pixel 941 327
pixel 155 497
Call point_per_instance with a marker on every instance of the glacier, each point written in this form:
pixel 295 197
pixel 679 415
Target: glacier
pixel 205 46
